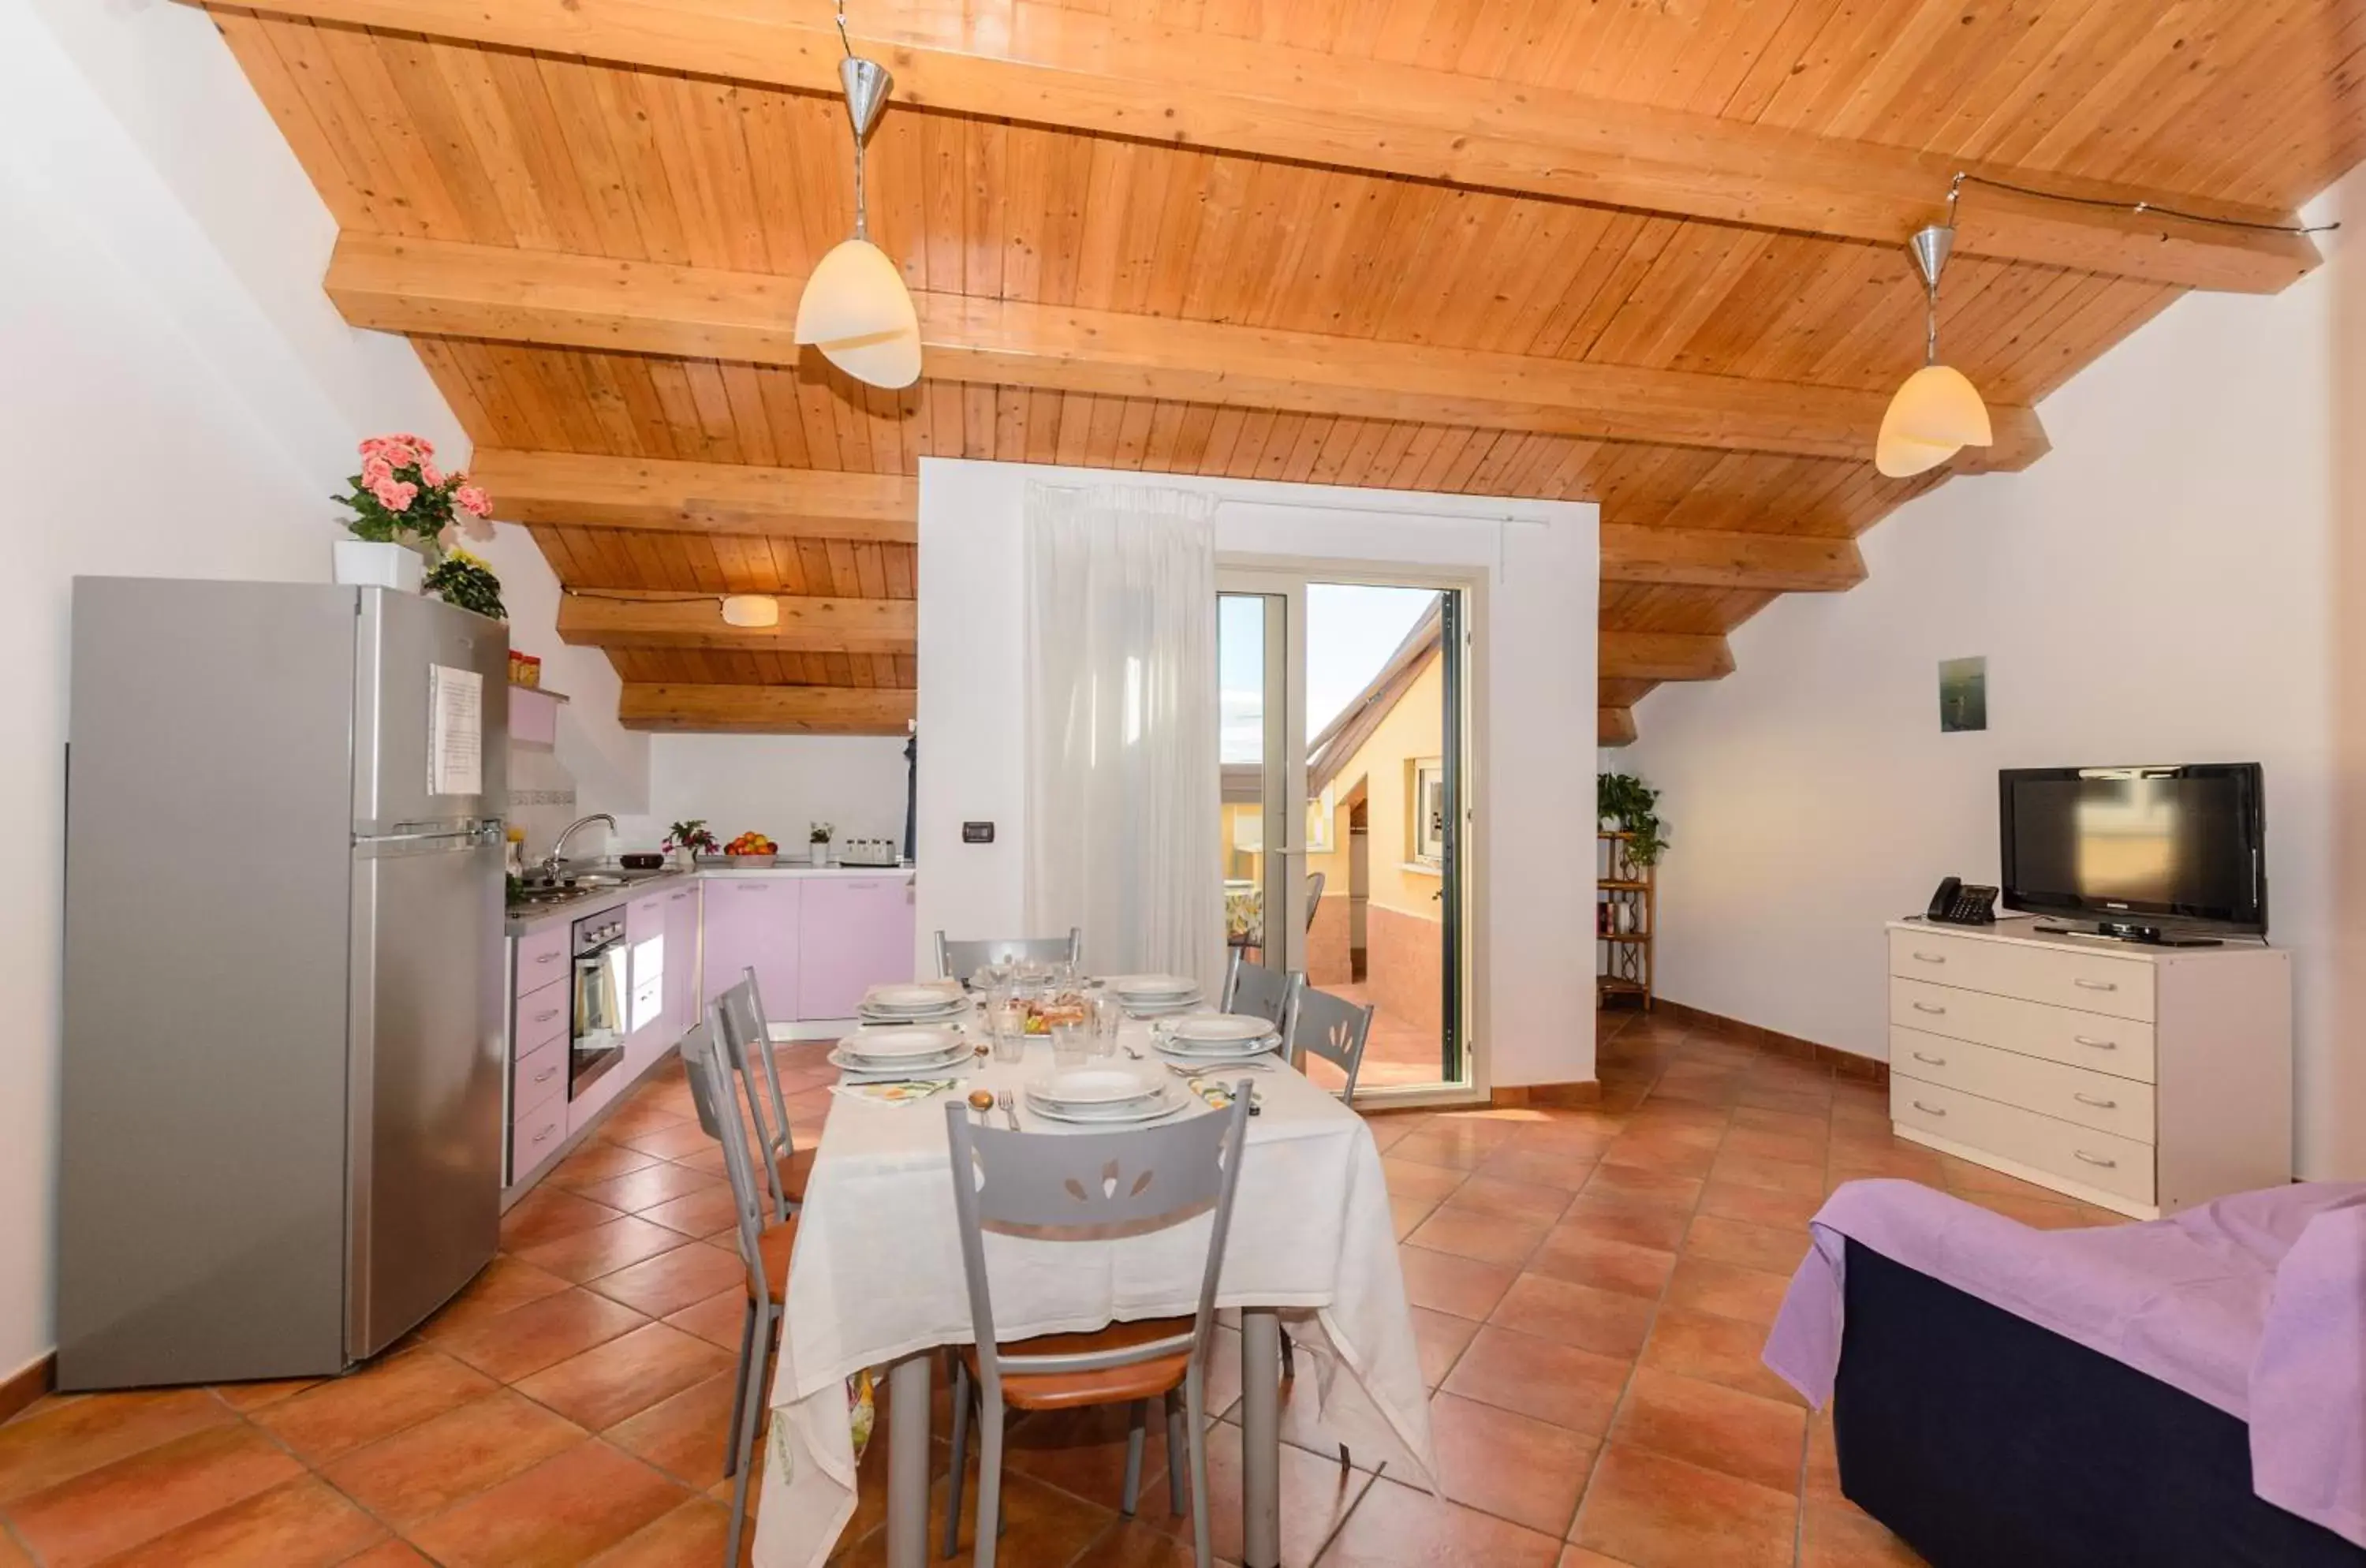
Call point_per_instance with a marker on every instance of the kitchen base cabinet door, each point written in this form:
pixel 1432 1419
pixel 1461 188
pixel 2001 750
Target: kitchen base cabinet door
pixel 682 1003
pixel 751 923
pixel 854 933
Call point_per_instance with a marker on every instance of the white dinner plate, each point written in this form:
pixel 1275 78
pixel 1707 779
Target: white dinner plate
pixel 1241 1051
pixel 903 1065
pixel 898 1044
pixel 1093 1085
pixel 1151 988
pixel 1136 1008
pixel 1214 1027
pixel 1166 1103
pixel 870 1014
pixel 912 998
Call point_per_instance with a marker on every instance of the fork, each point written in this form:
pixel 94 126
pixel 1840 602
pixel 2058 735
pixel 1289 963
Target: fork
pixel 1002 1097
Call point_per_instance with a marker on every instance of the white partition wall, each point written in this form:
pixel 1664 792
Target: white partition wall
pixel 1536 564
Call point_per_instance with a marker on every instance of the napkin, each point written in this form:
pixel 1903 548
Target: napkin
pixel 908 1091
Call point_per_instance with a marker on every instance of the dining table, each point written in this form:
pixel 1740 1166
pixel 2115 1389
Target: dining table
pixel 875 1281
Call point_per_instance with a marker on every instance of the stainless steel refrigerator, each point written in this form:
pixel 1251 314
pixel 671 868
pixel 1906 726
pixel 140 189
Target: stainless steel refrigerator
pixel 281 1101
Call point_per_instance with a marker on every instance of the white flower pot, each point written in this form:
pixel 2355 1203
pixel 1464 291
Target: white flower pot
pixel 369 563
pixel 821 853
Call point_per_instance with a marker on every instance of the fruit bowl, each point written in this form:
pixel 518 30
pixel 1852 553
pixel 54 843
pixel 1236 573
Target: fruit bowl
pixel 747 860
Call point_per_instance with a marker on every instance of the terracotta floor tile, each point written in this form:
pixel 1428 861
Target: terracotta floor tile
pixel 1046 1524
pixel 298 1524
pixel 1713 1427
pixel 686 1434
pixel 54 1443
pixel 450 1458
pixel 1822 1481
pixel 1753 1295
pixel 660 1182
pixel 1405 1215
pixel 640 1114
pixel 1082 1452
pixel 1757 1142
pixel 1552 1381
pixel 1808 1103
pixel 626 1375
pixel 1583 1258
pixel 548 1212
pixel 540 1334
pixel 1754 1118
pixel 1560 1170
pixel 1511 1199
pixel 668 1140
pixel 702 1212
pixel 245 1396
pixel 1131 1544
pixel 1475 1233
pixel 389 1554
pixel 1444 1282
pixel 1513 1466
pixel 693 1533
pixel 1578 1136
pixel 1661 1154
pixel 1643 1186
pixel 134 1500
pixel 1781 1175
pixel 1579 1557
pixel 1845 1536
pixel 1716 1350
pixel 718 1320
pixel 1399 1526
pixel 673 1280
pixel 604 1248
pixel 1457 1149
pixel 1603 1321
pixel 1703 1125
pixel 1759 1205
pixel 1776 1249
pixel 2040 1215
pixel 11 1554
pixel 562 1511
pixel 504 1285
pixel 1655 1512
pixel 1655 1226
pixel 1442 1338
pixel 1411 1178
pixel 381 1399
pixel 597 1163
pixel 1315 1494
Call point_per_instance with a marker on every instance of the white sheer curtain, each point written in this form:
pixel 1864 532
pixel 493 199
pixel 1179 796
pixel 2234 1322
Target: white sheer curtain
pixel 1122 796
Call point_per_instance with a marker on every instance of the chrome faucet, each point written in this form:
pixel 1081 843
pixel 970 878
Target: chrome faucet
pixel 557 855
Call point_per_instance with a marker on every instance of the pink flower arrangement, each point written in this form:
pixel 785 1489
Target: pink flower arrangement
pixel 401 496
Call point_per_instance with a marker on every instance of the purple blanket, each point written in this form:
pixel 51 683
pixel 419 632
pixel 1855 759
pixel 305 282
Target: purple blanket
pixel 2254 1304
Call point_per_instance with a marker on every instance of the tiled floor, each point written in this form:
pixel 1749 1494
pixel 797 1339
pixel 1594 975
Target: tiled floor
pixel 1590 1289
pixel 1399 1052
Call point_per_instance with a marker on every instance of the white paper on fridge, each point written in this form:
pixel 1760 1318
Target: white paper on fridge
pixel 455 731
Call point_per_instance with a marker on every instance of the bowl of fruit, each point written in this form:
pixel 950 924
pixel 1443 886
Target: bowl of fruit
pixel 751 850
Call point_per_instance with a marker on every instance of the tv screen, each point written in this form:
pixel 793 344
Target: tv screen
pixel 2182 845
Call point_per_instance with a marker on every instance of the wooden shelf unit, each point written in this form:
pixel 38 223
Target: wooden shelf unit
pixel 1626 920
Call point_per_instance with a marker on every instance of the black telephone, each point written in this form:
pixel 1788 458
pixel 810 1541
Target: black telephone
pixel 1959 903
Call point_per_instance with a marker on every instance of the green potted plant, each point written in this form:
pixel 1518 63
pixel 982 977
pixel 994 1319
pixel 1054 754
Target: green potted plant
pixel 687 841
pixel 1628 805
pixel 406 513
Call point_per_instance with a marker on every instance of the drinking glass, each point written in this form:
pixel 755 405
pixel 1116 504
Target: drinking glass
pixel 1071 1044
pixel 1005 1017
pixel 1107 1016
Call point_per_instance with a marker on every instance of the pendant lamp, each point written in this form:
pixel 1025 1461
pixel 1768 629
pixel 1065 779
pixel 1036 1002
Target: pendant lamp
pixel 855 308
pixel 1938 411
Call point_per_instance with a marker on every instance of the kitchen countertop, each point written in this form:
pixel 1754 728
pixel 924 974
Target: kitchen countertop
pixel 527 917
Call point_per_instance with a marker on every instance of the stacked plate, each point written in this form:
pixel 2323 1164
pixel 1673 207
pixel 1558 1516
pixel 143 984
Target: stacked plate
pixel 1104 1095
pixel 937 1003
pixel 1215 1037
pixel 906 1052
pixel 1154 996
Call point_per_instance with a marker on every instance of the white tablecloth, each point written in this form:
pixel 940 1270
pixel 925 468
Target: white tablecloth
pixel 877 1275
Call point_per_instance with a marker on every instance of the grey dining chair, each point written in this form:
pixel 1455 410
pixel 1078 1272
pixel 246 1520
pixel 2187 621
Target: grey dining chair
pixel 765 1246
pixel 1314 883
pixel 1333 1028
pixel 1268 994
pixel 1075 1186
pixel 746 1044
pixel 959 960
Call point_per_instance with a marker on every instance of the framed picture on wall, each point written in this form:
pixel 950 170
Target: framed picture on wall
pixel 1963 694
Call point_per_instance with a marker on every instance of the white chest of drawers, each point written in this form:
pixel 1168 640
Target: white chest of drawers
pixel 2140 1079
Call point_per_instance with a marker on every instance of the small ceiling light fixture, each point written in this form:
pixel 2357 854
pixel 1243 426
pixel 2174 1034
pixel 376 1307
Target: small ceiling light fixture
pixel 855 308
pixel 1938 411
pixel 752 610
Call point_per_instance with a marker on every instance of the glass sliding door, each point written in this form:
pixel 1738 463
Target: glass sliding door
pixel 1345 805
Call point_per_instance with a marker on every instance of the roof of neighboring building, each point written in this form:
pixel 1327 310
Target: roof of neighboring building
pixel 1346 734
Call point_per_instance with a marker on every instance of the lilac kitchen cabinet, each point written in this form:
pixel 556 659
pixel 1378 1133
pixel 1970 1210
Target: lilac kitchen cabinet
pixel 854 933
pixel 681 988
pixel 752 921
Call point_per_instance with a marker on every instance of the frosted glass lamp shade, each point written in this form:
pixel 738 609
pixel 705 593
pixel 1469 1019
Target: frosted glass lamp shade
pixel 856 310
pixel 1939 406
pixel 754 610
pixel 1899 458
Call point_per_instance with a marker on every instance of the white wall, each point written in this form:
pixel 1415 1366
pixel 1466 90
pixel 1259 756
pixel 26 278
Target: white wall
pixel 776 785
pixel 2164 586
pixel 1536 700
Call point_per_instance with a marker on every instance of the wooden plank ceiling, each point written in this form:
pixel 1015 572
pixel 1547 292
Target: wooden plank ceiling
pixel 1643 253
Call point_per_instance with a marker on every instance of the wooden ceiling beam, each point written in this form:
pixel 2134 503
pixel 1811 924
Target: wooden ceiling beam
pixel 616 619
pixel 569 489
pixel 1702 557
pixel 1663 656
pixel 765 710
pixel 1089 74
pixel 452 289
pixel 1614 727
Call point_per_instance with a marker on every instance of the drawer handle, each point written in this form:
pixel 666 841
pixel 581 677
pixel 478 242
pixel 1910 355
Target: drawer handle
pixel 548 957
pixel 2098 1045
pixel 1929 958
pixel 1934 1061
pixel 544 1134
pixel 671 896
pixel 547 1073
pixel 1932 1007
pixel 2086 985
pixel 1930 1110
pixel 2098 1104
pixel 545 1017
pixel 2096 1159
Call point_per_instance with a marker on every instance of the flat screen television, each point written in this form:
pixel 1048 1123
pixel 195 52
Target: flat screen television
pixel 2143 852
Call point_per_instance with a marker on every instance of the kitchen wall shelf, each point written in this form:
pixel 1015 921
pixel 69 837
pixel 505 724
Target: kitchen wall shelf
pixel 1626 919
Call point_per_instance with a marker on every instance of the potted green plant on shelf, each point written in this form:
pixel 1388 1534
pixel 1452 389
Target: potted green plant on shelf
pixel 407 513
pixel 689 840
pixel 1627 805
pixel 817 837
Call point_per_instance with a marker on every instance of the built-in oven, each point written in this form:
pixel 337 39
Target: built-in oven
pixel 602 993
